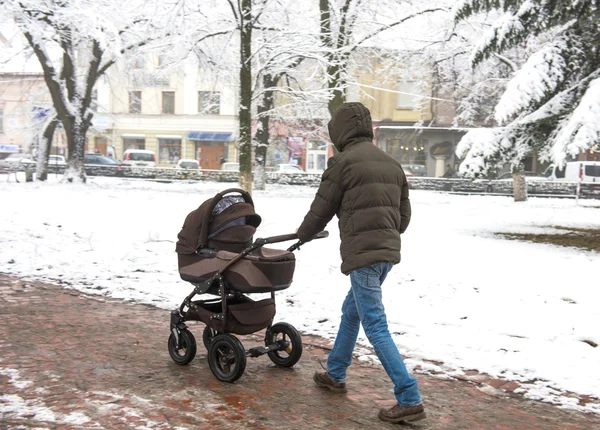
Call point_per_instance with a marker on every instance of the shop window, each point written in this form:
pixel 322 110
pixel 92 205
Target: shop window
pixel 168 102
pixel 169 151
pixel 135 102
pixel 133 143
pixel 100 145
pixel 408 151
pixel 209 102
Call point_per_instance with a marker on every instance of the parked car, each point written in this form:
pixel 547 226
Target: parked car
pixel 229 172
pixel 288 168
pixel 230 167
pixel 187 163
pixel 416 169
pixel 139 158
pixel 57 160
pixel 16 161
pixel 99 165
pixel 573 171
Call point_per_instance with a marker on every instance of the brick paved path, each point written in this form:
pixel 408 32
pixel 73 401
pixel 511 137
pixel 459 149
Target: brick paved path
pixel 69 361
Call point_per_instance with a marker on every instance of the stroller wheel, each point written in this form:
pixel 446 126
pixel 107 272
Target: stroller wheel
pixel 186 350
pixel 226 358
pixel 207 336
pixel 290 342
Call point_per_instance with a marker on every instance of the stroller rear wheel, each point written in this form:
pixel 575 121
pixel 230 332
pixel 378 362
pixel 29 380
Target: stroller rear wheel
pixel 186 351
pixel 290 341
pixel 207 336
pixel 226 358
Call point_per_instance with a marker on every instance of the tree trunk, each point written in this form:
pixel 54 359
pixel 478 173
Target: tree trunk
pixel 76 132
pixel 262 131
pixel 260 152
pixel 519 185
pixel 41 172
pixel 245 132
pixel 338 97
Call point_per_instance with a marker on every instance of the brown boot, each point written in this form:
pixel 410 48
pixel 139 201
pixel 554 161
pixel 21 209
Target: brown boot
pixel 322 379
pixel 402 413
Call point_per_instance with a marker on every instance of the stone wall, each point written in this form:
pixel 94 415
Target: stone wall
pixel 480 186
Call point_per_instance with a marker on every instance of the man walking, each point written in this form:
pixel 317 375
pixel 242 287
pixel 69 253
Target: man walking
pixel 367 189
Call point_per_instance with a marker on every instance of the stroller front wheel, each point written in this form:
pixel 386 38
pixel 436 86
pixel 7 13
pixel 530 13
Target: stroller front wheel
pixel 207 336
pixel 186 351
pixel 226 358
pixel 289 340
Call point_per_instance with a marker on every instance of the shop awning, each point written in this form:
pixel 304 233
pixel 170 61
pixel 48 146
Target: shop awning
pixel 210 136
pixel 9 148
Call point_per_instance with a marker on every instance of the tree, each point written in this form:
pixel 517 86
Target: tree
pixel 76 42
pixel 45 137
pixel 345 29
pixel 280 88
pixel 267 45
pixel 551 106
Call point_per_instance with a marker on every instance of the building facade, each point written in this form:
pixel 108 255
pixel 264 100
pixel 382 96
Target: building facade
pixel 24 100
pixel 409 122
pixel 180 114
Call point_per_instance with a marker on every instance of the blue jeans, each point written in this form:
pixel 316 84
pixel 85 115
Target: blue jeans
pixel 364 305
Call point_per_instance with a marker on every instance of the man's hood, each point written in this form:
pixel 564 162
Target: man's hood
pixel 351 123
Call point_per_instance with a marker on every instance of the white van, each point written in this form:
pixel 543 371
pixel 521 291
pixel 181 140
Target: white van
pixel 139 158
pixel 573 171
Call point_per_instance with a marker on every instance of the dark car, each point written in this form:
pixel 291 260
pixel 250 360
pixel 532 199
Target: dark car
pixel 99 165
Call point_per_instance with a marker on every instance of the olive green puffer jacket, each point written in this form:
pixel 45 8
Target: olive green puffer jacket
pixel 366 188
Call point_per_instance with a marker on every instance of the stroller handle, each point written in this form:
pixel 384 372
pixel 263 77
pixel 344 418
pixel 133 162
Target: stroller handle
pixel 294 236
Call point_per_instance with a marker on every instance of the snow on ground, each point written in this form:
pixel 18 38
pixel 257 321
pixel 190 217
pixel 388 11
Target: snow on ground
pixel 460 296
pixel 16 408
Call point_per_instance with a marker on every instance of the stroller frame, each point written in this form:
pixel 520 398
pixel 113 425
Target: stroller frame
pixel 217 285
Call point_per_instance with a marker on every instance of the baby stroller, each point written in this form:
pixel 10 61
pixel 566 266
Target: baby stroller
pixel 218 256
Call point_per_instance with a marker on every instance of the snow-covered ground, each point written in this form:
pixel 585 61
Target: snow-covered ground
pixel 460 296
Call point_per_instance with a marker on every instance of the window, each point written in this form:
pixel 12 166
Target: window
pixel 407 150
pixel 592 170
pixel 135 102
pixel 409 96
pixel 139 63
pixel 560 172
pixel 169 151
pixel 1 121
pixel 133 143
pixel 100 145
pixel 168 102
pixel 209 102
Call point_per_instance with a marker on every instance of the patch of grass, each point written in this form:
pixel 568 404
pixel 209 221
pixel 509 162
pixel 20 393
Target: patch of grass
pixel 582 238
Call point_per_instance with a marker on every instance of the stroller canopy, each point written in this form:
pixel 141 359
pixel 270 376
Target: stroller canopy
pixel 223 222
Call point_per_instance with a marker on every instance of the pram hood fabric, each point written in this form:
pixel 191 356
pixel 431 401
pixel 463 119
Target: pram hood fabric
pixel 226 224
pixel 199 228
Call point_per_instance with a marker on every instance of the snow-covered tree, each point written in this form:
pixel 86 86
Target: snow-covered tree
pixel 348 25
pixel 259 41
pixel 551 105
pixel 76 41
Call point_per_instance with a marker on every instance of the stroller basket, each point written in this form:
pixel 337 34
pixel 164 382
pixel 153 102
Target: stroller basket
pixel 244 315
